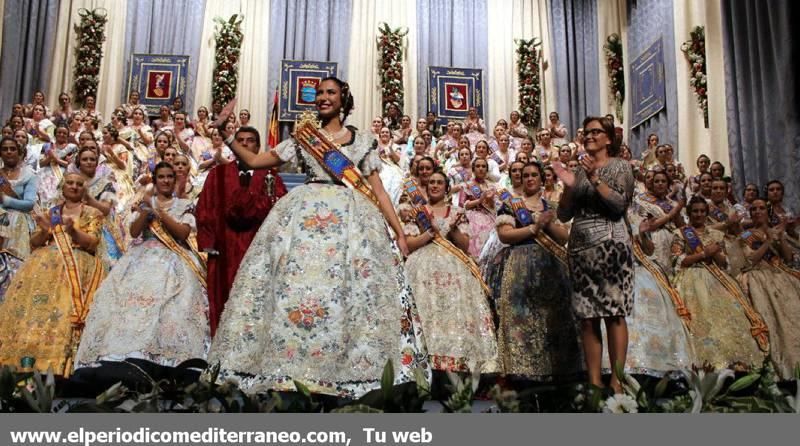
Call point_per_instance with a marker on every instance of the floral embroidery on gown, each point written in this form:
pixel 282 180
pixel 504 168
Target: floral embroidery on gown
pixel 455 313
pixel 155 292
pixel 38 313
pixel 321 295
pixel 537 335
pixel 721 332
pixel 481 220
pixel 658 340
pixel 774 290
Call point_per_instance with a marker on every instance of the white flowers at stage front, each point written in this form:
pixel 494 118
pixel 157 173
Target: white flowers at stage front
pixel 620 403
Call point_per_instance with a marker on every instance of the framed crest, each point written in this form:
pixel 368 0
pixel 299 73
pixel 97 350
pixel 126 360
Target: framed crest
pixel 649 84
pixel 298 90
pixel 159 79
pixel 453 91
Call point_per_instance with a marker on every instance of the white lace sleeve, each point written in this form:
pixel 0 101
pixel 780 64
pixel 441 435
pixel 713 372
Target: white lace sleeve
pixel 184 213
pixel 287 150
pixel 410 230
pixel 503 220
pixel 371 163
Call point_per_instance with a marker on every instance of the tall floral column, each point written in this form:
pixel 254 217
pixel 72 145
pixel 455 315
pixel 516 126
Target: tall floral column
pixel 228 37
pixel 616 73
pixel 695 51
pixel 390 46
pixel 89 53
pixel 528 58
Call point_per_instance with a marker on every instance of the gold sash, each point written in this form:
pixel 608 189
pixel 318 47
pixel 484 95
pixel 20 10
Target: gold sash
pixel 81 301
pixel 758 328
pixel 418 203
pixel 308 135
pixel 771 256
pixel 662 280
pixel 166 238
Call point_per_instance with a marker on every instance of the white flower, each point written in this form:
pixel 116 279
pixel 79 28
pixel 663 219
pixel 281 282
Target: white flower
pixel 620 403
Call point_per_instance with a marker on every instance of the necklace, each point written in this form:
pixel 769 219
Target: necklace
pixel 336 136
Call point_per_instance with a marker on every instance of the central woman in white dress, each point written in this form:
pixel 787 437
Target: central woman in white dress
pixel 321 295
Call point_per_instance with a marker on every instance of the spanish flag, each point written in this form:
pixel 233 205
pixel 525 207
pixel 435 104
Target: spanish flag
pixel 274 128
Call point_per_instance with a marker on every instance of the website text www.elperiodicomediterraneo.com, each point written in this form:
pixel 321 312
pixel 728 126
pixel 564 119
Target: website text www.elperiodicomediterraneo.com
pixel 145 435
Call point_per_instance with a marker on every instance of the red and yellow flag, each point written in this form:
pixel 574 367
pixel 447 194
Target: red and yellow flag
pixel 274 128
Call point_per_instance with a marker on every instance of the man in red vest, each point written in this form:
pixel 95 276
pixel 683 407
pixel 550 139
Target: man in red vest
pixel 234 202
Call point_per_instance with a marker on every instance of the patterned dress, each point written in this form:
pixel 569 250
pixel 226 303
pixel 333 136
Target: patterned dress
pixel 321 295
pixel 658 338
pixel 455 313
pixel 481 219
pixel 723 323
pixel 103 188
pixel 537 332
pixel 38 313
pixel 16 226
pixel 600 257
pixel 158 295
pixel 50 175
pixel 774 290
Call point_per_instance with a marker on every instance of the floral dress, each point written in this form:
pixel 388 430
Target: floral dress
pixel 537 333
pixel 658 336
pixel 50 176
pixel 774 290
pixel 16 226
pixel 38 316
pixel 456 318
pixel 158 295
pixel 723 324
pixel 481 219
pixel 321 295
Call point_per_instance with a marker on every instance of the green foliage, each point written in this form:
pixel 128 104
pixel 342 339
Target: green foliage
pixel 696 390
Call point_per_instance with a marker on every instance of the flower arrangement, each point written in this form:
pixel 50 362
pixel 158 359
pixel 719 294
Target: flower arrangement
pixel 228 37
pixel 91 34
pixel 390 46
pixel 528 57
pixel 695 51
pixel 616 73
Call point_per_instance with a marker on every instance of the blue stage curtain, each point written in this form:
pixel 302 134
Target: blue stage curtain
pixel 574 37
pixel 452 33
pixel 165 27
pixel 648 20
pixel 762 93
pixel 29 32
pixel 308 30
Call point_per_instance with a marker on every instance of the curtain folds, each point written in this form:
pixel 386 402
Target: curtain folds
pixel 612 18
pixel 762 93
pixel 517 19
pixel 28 38
pixel 164 27
pixel 452 33
pixel 253 92
pixel 363 58
pixel 205 60
pixel 112 66
pixel 574 33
